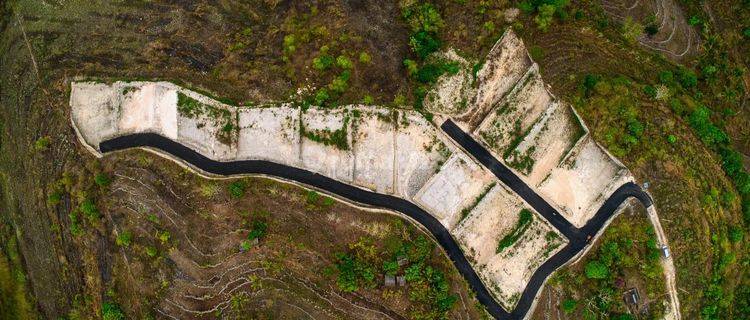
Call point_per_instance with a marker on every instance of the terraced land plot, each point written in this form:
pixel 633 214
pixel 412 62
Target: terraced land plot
pixel 270 134
pixel 581 183
pixel 507 241
pixel 453 188
pixel 506 64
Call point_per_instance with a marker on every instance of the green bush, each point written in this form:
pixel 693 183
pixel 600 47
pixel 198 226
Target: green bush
pixel 429 73
pixel 687 78
pixel 596 270
pixel 411 67
pixel 390 267
pixel 54 197
pixel 163 236
pixel 290 44
pixel 151 251
pixel 258 231
pixel 424 43
pixel 545 10
pixel 237 189
pixel 343 62
pixel 711 135
pixel 569 305
pixel 42 144
pixel 323 62
pixel 340 83
pixel 423 17
pixel 368 100
pixel 321 96
pixel 112 311
pixel 88 207
pixel 364 57
pixel 124 239
pixel 102 180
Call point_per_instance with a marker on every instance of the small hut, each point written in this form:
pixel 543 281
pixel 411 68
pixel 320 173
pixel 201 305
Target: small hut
pixel 390 281
pixel 401 281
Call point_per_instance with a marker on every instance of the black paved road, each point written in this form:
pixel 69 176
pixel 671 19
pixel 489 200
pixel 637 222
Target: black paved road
pixel 577 236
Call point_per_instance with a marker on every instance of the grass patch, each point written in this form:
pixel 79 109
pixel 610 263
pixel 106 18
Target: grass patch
pixel 336 138
pixel 524 221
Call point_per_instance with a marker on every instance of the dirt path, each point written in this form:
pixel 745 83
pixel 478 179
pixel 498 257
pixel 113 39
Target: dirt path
pixel 668 265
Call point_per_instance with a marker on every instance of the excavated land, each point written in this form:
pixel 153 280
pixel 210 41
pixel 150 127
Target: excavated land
pixel 505 64
pixel 399 152
pixel 452 92
pixel 542 138
pixel 508 271
pixel 453 188
pixel 390 152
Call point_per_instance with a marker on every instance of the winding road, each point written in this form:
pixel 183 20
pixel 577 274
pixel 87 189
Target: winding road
pixel 578 237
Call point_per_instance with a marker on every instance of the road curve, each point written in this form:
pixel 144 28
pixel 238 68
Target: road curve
pixel 577 237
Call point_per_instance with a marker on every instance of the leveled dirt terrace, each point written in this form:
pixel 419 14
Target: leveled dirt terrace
pixel 506 272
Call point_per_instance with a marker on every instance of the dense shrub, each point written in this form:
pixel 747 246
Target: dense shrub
pixel 424 43
pixel 124 239
pixel 102 179
pixel 596 270
pixel 237 189
pixel 258 231
pixel 545 10
pixel 112 311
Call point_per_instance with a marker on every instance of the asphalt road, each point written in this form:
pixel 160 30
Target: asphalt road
pixel 576 236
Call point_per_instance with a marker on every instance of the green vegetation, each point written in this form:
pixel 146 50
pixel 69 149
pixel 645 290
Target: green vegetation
pixel 569 306
pixel 323 62
pixel 545 10
pixel 188 106
pixel 237 189
pixel 425 23
pixel 163 236
pixel 102 179
pixel 524 221
pixel 112 311
pixel 258 231
pixel 151 251
pixel 42 144
pixel 620 94
pixel 596 270
pixel 124 239
pixel 336 138
pixel 223 118
pixel 365 57
pixel 522 162
pixel 626 257
pixel 365 264
pixel 89 210
pixel 15 303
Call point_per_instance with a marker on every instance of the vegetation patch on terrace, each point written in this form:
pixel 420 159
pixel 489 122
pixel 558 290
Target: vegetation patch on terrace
pixel 192 108
pixel 524 221
pixel 336 138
